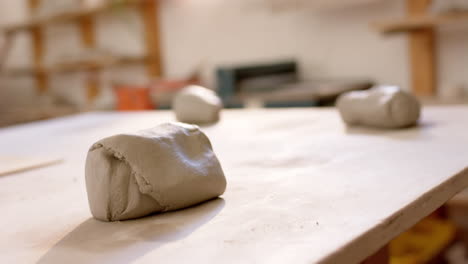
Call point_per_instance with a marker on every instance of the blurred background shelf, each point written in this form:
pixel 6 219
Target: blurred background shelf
pixel 420 22
pixel 84 17
pixel 420 25
pixel 85 65
pixel 69 16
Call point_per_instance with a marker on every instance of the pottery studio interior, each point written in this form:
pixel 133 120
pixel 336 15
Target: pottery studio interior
pixel 234 131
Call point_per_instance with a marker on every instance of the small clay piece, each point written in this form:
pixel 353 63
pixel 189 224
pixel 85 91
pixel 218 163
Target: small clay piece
pixel 197 105
pixel 382 107
pixel 169 167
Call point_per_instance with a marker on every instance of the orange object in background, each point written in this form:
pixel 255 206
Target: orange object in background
pixel 132 98
pixel 158 93
pixel 164 90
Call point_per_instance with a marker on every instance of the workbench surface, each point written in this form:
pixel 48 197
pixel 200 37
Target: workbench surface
pixel 302 188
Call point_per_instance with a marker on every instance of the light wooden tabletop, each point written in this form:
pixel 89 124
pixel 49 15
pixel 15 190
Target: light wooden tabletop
pixel 302 188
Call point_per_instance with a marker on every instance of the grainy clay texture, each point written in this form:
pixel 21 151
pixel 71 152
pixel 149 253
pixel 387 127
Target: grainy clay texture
pixel 382 107
pixel 169 167
pixel 197 105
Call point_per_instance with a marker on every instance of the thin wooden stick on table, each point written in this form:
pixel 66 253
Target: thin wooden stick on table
pixel 11 165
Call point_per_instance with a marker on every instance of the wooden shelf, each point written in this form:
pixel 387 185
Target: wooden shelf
pixel 421 22
pixel 88 65
pixel 149 11
pixel 66 16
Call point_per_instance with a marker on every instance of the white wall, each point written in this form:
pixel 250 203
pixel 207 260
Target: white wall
pixel 453 59
pixel 333 43
pixel 327 43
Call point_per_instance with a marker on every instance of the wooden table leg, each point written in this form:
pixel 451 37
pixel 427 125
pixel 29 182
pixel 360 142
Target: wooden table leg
pixel 380 257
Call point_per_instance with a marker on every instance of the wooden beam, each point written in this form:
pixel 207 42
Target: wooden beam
pixel 33 4
pixel 89 41
pixel 418 7
pixel 422 51
pixel 38 51
pixel 85 65
pixel 87 32
pixel 5 49
pixel 422 59
pixel 92 86
pixel 150 12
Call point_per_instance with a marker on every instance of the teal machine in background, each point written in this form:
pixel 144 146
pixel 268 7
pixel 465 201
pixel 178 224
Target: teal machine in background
pixel 279 85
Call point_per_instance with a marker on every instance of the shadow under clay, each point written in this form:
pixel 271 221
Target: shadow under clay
pixel 94 241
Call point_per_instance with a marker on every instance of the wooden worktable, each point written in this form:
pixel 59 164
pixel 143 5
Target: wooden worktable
pixel 302 188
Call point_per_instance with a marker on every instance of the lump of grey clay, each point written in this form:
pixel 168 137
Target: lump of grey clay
pixel 382 107
pixel 197 105
pixel 168 167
